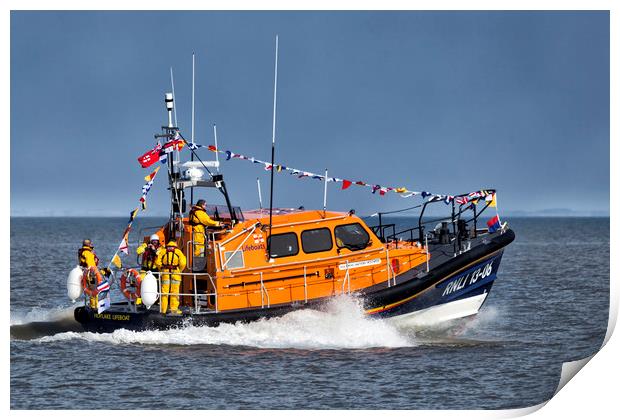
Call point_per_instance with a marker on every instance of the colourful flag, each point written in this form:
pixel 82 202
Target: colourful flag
pixel 116 260
pixel 493 224
pixel 401 190
pixel 493 202
pixel 346 184
pixel 123 247
pixel 173 145
pixel 127 229
pixel 132 215
pixel 149 157
pixel 152 174
pixel 211 147
pixel 104 286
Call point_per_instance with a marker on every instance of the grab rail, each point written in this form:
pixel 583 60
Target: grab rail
pixel 263 289
pixel 195 294
pixel 347 278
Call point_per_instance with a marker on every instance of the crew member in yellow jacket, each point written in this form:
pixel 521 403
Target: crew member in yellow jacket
pixel 199 220
pixel 87 259
pixel 171 263
pixel 150 251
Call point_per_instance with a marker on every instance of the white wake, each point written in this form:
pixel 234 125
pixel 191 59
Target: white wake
pixel 341 324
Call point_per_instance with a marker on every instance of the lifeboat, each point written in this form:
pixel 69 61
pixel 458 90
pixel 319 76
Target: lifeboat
pixel 268 262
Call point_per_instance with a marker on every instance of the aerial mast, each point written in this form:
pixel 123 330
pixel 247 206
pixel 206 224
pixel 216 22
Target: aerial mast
pixel 176 124
pixel 169 107
pixel 273 150
pixel 191 193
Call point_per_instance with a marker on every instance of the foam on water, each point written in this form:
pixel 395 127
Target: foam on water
pixel 341 324
pixel 42 314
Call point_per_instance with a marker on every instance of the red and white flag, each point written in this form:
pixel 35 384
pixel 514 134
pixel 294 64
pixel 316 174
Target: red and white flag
pixel 150 157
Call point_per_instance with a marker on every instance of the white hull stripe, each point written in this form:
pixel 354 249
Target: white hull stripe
pixel 441 313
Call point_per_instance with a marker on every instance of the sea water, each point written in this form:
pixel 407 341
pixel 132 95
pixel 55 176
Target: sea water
pixel 548 305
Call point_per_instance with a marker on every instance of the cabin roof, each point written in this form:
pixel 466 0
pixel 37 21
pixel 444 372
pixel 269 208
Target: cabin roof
pixel 283 215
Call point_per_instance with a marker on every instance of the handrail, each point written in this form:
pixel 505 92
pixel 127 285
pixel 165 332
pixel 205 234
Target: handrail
pixel 195 294
pixel 347 278
pixel 305 222
pixel 305 286
pixel 263 289
pixel 253 227
pixel 379 230
pixel 238 248
pixel 296 263
pixel 426 249
pixel 392 278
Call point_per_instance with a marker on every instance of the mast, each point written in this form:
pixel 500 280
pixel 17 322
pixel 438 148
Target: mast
pixel 325 195
pixel 260 197
pixel 217 155
pixel 273 150
pixel 169 107
pixel 191 190
pixel 176 197
pixel 193 90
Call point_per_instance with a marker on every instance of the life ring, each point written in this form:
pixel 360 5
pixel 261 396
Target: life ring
pixel 125 279
pixel 87 287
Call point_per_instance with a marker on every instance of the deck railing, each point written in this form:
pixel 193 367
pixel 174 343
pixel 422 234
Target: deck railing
pixel 343 283
pixel 195 295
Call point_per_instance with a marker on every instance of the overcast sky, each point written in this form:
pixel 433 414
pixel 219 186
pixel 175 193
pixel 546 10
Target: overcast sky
pixel 436 101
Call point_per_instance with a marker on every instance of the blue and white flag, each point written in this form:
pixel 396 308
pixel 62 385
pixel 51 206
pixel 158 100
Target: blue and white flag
pixel 103 299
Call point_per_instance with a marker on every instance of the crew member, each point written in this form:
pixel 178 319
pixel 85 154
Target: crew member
pixel 87 259
pixel 199 220
pixel 150 251
pixel 171 262
pixel 86 255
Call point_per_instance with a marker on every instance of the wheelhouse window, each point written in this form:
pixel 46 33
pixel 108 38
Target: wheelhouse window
pixel 352 236
pixel 283 245
pixel 316 240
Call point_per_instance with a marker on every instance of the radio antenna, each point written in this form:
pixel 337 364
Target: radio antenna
pixel 193 90
pixel 217 155
pixel 325 195
pixel 173 97
pixel 260 197
pixel 273 149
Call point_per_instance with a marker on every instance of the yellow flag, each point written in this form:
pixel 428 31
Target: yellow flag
pixel 493 202
pixel 117 261
pixel 152 174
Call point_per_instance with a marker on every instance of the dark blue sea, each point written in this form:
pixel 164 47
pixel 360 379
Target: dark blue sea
pixel 549 305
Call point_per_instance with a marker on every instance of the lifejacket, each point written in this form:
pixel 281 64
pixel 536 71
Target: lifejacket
pixel 149 259
pixel 193 219
pixel 82 257
pixel 170 260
